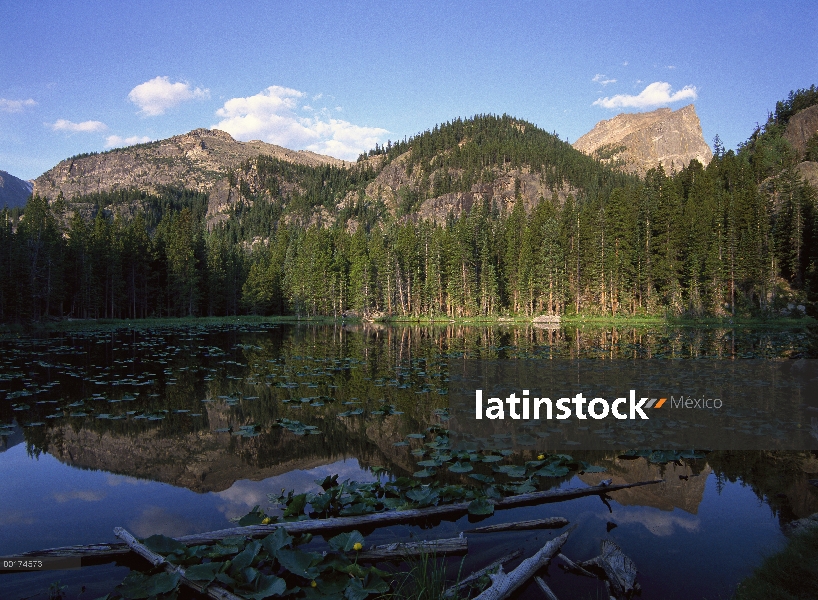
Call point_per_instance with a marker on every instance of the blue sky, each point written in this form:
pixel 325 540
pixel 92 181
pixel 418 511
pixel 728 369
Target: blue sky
pixel 336 77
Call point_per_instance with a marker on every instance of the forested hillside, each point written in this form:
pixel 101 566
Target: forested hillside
pixel 536 228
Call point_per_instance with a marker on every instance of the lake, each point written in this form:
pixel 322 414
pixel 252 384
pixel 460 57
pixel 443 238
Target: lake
pixel 181 429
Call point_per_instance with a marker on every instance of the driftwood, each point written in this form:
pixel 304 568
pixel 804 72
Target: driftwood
pixel 549 523
pixel 344 523
pixel 545 589
pixel 212 590
pixel 502 584
pixel 574 567
pixel 402 550
pixel 620 571
pixel 478 574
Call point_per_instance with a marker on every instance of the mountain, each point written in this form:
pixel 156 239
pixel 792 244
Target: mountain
pixel 13 191
pixel 200 160
pixel 440 171
pixel 638 142
pixel 802 126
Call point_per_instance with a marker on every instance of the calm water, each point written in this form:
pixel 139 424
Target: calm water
pixel 176 430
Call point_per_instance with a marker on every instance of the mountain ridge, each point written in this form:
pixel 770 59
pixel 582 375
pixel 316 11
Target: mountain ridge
pixel 196 160
pixel 13 191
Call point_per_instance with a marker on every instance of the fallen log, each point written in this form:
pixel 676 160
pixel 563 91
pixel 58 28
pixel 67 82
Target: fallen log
pixel 403 550
pixel 574 567
pixel 478 574
pixel 97 551
pixel 212 590
pixel 545 589
pixel 503 584
pixel 549 523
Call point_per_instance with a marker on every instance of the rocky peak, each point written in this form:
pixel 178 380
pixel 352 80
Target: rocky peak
pixel 641 141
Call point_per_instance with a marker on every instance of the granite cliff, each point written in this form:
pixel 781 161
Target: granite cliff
pixel 638 142
pixel 801 127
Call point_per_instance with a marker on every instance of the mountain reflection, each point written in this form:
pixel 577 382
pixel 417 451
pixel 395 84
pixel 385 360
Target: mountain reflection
pixel 212 409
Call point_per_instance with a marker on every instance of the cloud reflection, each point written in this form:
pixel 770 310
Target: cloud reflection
pixel 155 519
pixel 84 495
pixel 659 523
pixel 243 495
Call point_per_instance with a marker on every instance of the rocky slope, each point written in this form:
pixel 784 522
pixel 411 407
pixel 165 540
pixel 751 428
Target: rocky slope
pixel 501 190
pixel 13 191
pixel 198 160
pixel 641 141
pixel 801 127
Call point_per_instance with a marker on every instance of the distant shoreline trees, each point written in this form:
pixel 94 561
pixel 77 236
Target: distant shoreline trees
pixel 736 237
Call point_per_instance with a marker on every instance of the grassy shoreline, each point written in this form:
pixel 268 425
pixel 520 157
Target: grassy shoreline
pixel 567 321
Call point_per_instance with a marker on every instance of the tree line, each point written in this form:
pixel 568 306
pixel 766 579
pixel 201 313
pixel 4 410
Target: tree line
pixel 736 237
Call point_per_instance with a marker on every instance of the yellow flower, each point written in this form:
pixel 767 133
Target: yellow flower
pixel 541 457
pixel 266 521
pixel 357 546
pixel 313 584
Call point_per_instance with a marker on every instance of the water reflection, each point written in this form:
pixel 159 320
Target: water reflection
pixel 179 429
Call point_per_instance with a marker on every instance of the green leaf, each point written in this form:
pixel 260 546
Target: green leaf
pixel 245 558
pixel 296 506
pixel 482 478
pixel 249 574
pixel 423 496
pixel 491 458
pixel 553 471
pixel 163 545
pixel 357 590
pixel 203 572
pixel 481 506
pixel 254 517
pixel 344 542
pixel 332 582
pixel 137 585
pixel 430 463
pixel 459 467
pixel 424 473
pixel 225 578
pixel 220 550
pixel 276 541
pixel 298 562
pixel 516 471
pixel 266 586
pixel 328 482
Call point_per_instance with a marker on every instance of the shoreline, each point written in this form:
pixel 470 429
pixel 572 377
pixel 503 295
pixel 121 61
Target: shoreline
pixel 573 321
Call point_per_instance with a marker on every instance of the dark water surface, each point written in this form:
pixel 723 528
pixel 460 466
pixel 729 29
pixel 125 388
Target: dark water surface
pixel 178 430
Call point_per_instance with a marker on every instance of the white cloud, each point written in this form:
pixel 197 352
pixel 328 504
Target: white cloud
pixel 271 116
pixel 156 96
pixel 600 79
pixel 84 127
pixel 15 106
pixel 115 141
pixel 655 94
